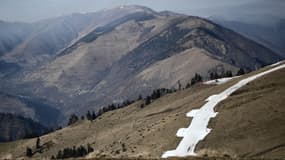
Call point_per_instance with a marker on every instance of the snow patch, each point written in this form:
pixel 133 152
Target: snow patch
pixel 220 81
pixel 198 130
pixel 192 113
pixel 275 64
pixel 181 132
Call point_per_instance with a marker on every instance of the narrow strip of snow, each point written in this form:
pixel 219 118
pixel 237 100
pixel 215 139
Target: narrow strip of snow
pixel 198 130
pixel 276 64
pixel 220 80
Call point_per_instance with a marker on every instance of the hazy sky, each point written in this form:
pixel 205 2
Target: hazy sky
pixel 32 10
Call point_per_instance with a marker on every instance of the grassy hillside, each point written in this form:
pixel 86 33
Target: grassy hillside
pixel 252 117
pixel 250 124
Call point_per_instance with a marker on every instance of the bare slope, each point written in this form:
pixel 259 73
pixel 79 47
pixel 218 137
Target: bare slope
pixel 139 52
pixel 249 124
pixel 41 41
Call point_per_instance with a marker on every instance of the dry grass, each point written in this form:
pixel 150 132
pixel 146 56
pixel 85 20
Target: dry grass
pixel 244 127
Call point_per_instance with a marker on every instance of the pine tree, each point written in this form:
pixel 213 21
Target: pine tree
pixel 188 85
pixel 89 116
pixel 228 74
pixel 93 115
pixel 140 97
pixel 89 148
pixel 38 145
pixel 72 119
pixel 212 76
pixel 29 152
pixel 240 72
pixel 73 152
pixel 158 93
pixel 59 155
pixel 216 75
pixel 147 100
pixel 197 78
pixel 179 85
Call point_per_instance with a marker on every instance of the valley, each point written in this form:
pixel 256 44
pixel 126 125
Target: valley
pixel 136 51
pixel 126 82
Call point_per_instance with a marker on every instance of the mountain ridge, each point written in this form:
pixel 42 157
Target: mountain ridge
pixel 14 127
pixel 127 58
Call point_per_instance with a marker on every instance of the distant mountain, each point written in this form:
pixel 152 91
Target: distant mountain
pixel 124 52
pixel 31 44
pixel 271 35
pixel 142 51
pixel 260 20
pixel 13 127
pixel 12 34
pixel 44 39
pixel 36 109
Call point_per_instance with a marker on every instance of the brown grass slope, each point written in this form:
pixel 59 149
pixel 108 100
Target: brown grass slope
pixel 250 124
pixel 136 53
pixel 251 121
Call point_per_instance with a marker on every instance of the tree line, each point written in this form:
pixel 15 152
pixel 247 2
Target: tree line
pixel 92 115
pixel 155 94
pixel 73 152
pixel 228 73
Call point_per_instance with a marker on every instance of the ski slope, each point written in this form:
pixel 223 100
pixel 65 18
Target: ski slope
pixel 198 130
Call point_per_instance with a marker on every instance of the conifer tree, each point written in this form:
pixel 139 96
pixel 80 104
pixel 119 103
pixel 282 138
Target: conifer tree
pixel 240 72
pixel 89 116
pixel 89 148
pixel 228 74
pixel 38 143
pixel 197 78
pixel 29 152
pixel 72 119
pixel 140 97
pixel 188 85
pixel 93 115
pixel 59 155
pixel 147 100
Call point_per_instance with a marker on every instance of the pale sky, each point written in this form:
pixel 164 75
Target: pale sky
pixel 33 10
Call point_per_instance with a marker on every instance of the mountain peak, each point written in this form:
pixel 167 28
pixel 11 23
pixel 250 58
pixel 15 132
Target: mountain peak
pixel 131 8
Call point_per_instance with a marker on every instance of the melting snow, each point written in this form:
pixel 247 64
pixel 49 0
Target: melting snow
pixel 198 130
pixel 220 81
pixel 276 64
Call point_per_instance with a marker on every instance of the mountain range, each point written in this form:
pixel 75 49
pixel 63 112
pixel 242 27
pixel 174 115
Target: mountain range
pixel 86 61
pixel 124 78
pixel 17 127
pixel 269 34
